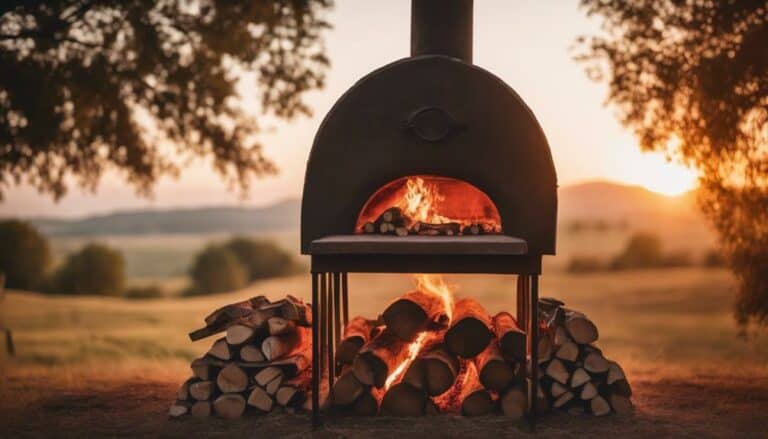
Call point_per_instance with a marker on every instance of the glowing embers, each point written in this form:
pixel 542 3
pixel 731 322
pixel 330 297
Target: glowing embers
pixel 429 205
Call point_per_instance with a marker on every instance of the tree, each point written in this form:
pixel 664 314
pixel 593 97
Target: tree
pixel 143 86
pixel 691 79
pixel 94 269
pixel 24 255
pixel 262 259
pixel 217 269
pixel 643 250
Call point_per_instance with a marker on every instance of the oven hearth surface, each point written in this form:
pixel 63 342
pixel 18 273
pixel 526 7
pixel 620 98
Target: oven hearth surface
pixel 419 245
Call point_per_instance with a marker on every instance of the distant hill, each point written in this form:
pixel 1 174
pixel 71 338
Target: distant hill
pixel 588 201
pixel 280 216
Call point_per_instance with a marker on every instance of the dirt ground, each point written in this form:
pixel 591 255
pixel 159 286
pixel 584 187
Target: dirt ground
pixel 685 404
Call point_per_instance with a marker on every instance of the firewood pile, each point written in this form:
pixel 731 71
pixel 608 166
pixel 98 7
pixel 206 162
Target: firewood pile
pixel 423 356
pixel 262 361
pixel 394 221
pixel 575 375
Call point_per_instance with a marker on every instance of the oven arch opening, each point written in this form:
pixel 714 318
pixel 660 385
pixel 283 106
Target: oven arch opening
pixel 432 199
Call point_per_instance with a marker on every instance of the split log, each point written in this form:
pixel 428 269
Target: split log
pixel 357 333
pixel 580 328
pixel 416 374
pixel 205 368
pixel 260 399
pixel 594 362
pixel 561 337
pixel 378 358
pixel 598 406
pixel 292 365
pixel 232 379
pixel 293 392
pixel 402 399
pixel 621 387
pixel 392 215
pixel 251 353
pixel 273 385
pixel 369 227
pixel 514 402
pixel 201 409
pixel 220 319
pixel 512 339
pixel 229 406
pixel 557 389
pixel 183 393
pixel 248 328
pixel 545 349
pixel 473 229
pixel 475 400
pixel 291 308
pixel 346 390
pixel 469 332
pixel 414 312
pixel 495 373
pixel 440 370
pixel 568 351
pixel 557 371
pixel 280 325
pixel 449 229
pixel 621 404
pixel 579 377
pixel 588 391
pixel 564 399
pixel 365 405
pixel 179 409
pixel 278 346
pixel 267 374
pixel 221 349
pixel 401 231
pixel 202 390
pixel 615 373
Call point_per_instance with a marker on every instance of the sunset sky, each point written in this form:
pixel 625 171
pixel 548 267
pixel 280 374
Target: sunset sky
pixel 525 42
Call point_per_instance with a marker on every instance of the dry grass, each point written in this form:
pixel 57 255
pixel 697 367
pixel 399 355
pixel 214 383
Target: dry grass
pixel 110 367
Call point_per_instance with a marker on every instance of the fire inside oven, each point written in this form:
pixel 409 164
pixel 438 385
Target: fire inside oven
pixel 429 205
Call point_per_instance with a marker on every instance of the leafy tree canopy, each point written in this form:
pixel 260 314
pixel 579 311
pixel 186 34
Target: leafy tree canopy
pixel 691 78
pixel 24 255
pixel 143 86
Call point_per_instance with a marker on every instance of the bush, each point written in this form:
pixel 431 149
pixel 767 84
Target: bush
pixel 713 259
pixel 24 255
pixel 642 251
pixel 95 269
pixel 585 264
pixel 217 269
pixel 677 259
pixel 262 259
pixel 144 292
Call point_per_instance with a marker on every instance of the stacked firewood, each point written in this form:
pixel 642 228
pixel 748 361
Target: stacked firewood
pixel 575 375
pixel 394 221
pixel 473 364
pixel 262 361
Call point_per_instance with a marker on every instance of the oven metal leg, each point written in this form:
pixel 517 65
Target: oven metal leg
pixel 329 327
pixel 316 354
pixel 534 325
pixel 345 298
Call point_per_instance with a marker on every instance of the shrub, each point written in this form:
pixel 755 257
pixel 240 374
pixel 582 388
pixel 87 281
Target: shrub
pixel 95 269
pixel 585 264
pixel 677 259
pixel 642 251
pixel 24 255
pixel 713 259
pixel 144 292
pixel 262 259
pixel 217 269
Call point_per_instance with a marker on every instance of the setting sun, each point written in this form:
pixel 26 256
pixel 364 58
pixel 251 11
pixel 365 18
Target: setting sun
pixel 655 173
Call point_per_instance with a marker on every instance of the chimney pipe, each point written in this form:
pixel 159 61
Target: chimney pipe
pixel 442 27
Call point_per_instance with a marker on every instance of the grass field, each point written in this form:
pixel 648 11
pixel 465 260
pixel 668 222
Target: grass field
pixel 671 329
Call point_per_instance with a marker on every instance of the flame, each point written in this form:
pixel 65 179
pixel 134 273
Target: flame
pixel 435 284
pixel 413 351
pixel 434 200
pixel 420 200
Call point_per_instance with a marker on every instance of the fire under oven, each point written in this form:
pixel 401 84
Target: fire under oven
pixel 436 122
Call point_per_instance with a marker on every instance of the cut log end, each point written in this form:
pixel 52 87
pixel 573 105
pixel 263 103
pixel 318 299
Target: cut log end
pixel 229 406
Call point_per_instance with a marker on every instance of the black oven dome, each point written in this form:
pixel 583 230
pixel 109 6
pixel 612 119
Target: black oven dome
pixel 432 115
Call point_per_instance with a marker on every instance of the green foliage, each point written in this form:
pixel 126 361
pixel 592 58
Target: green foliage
pixel 144 292
pixel 91 85
pixel 691 78
pixel 94 269
pixel 24 255
pixel 217 269
pixel 262 259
